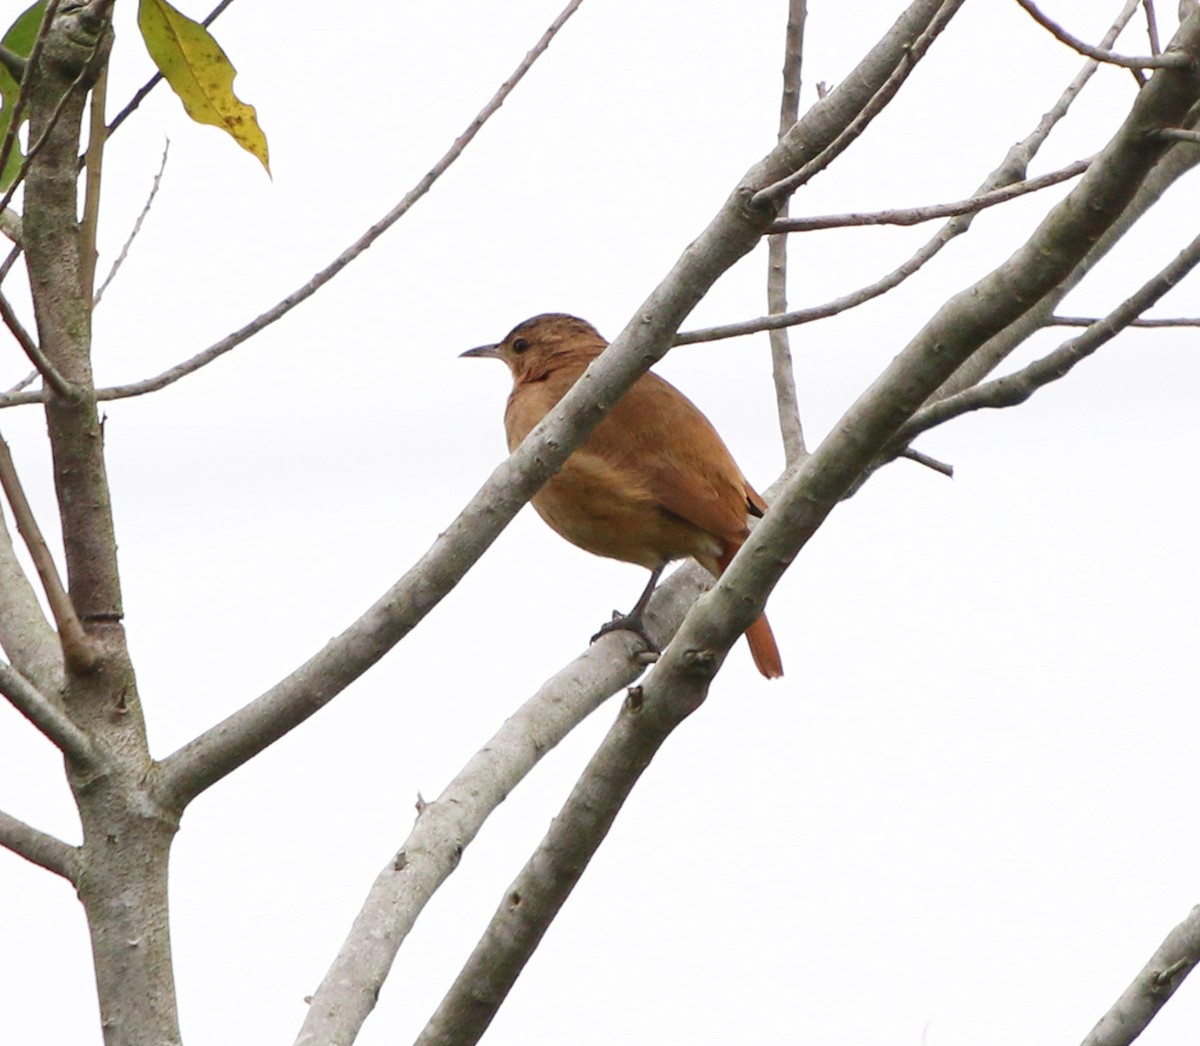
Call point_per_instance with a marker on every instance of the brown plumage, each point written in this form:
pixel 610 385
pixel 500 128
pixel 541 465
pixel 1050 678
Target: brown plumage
pixel 651 484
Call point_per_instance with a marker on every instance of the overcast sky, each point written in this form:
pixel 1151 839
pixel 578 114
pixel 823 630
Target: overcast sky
pixel 966 815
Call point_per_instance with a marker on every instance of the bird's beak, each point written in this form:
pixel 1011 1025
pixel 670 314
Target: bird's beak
pixel 488 352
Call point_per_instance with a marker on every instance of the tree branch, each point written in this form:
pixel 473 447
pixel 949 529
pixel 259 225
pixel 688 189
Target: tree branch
pixel 137 225
pixel 734 232
pixel 917 215
pixel 39 848
pixel 1152 27
pixel 790 427
pixel 1177 162
pixel 1099 54
pixel 48 716
pixel 1176 957
pixel 78 649
pixel 445 827
pixel 1016 388
pixel 1141 321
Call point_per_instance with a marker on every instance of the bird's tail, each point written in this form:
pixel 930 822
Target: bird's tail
pixel 758 635
pixel 763 648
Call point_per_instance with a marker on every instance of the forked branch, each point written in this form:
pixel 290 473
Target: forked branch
pixel 1016 388
pixel 1159 61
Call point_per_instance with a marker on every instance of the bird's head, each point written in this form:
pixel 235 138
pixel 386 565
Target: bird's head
pixel 537 345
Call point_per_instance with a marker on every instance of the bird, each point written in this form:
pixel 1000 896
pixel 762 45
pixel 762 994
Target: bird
pixel 653 482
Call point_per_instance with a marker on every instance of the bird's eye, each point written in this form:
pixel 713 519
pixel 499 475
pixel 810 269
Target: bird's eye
pixel 520 345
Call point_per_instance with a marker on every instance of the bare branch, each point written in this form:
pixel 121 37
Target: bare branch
pixel 1152 27
pixel 39 848
pixel 78 648
pixel 1100 54
pixel 445 827
pixel 1176 957
pixel 48 716
pixel 647 718
pixel 1016 388
pixel 137 225
pixel 285 306
pixel 917 215
pixel 733 232
pixel 1141 321
pixel 929 462
pixel 787 403
pixel 10 259
pixel 30 347
pixel 1178 161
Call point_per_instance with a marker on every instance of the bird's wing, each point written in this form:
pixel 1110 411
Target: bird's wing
pixel 656 433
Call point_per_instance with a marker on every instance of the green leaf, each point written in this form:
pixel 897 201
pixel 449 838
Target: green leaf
pixel 193 63
pixel 19 39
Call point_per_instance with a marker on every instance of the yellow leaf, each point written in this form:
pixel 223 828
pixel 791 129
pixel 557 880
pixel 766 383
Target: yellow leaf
pixel 193 63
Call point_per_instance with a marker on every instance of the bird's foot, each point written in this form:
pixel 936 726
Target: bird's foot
pixel 628 623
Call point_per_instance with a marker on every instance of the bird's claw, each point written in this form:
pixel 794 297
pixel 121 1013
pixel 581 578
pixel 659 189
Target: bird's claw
pixel 627 623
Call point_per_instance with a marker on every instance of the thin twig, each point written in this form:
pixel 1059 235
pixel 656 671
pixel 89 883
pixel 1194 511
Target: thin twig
pixel 78 648
pixel 137 225
pixel 24 383
pixel 18 111
pixel 154 81
pixel 48 716
pixel 1141 321
pixel 929 462
pixel 1016 388
pixel 783 371
pixel 1152 27
pixel 38 847
pixel 10 261
pixel 31 349
pixel 1158 980
pixel 917 215
pixel 282 308
pixel 1100 54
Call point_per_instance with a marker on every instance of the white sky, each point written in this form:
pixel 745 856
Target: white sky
pixel 965 815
